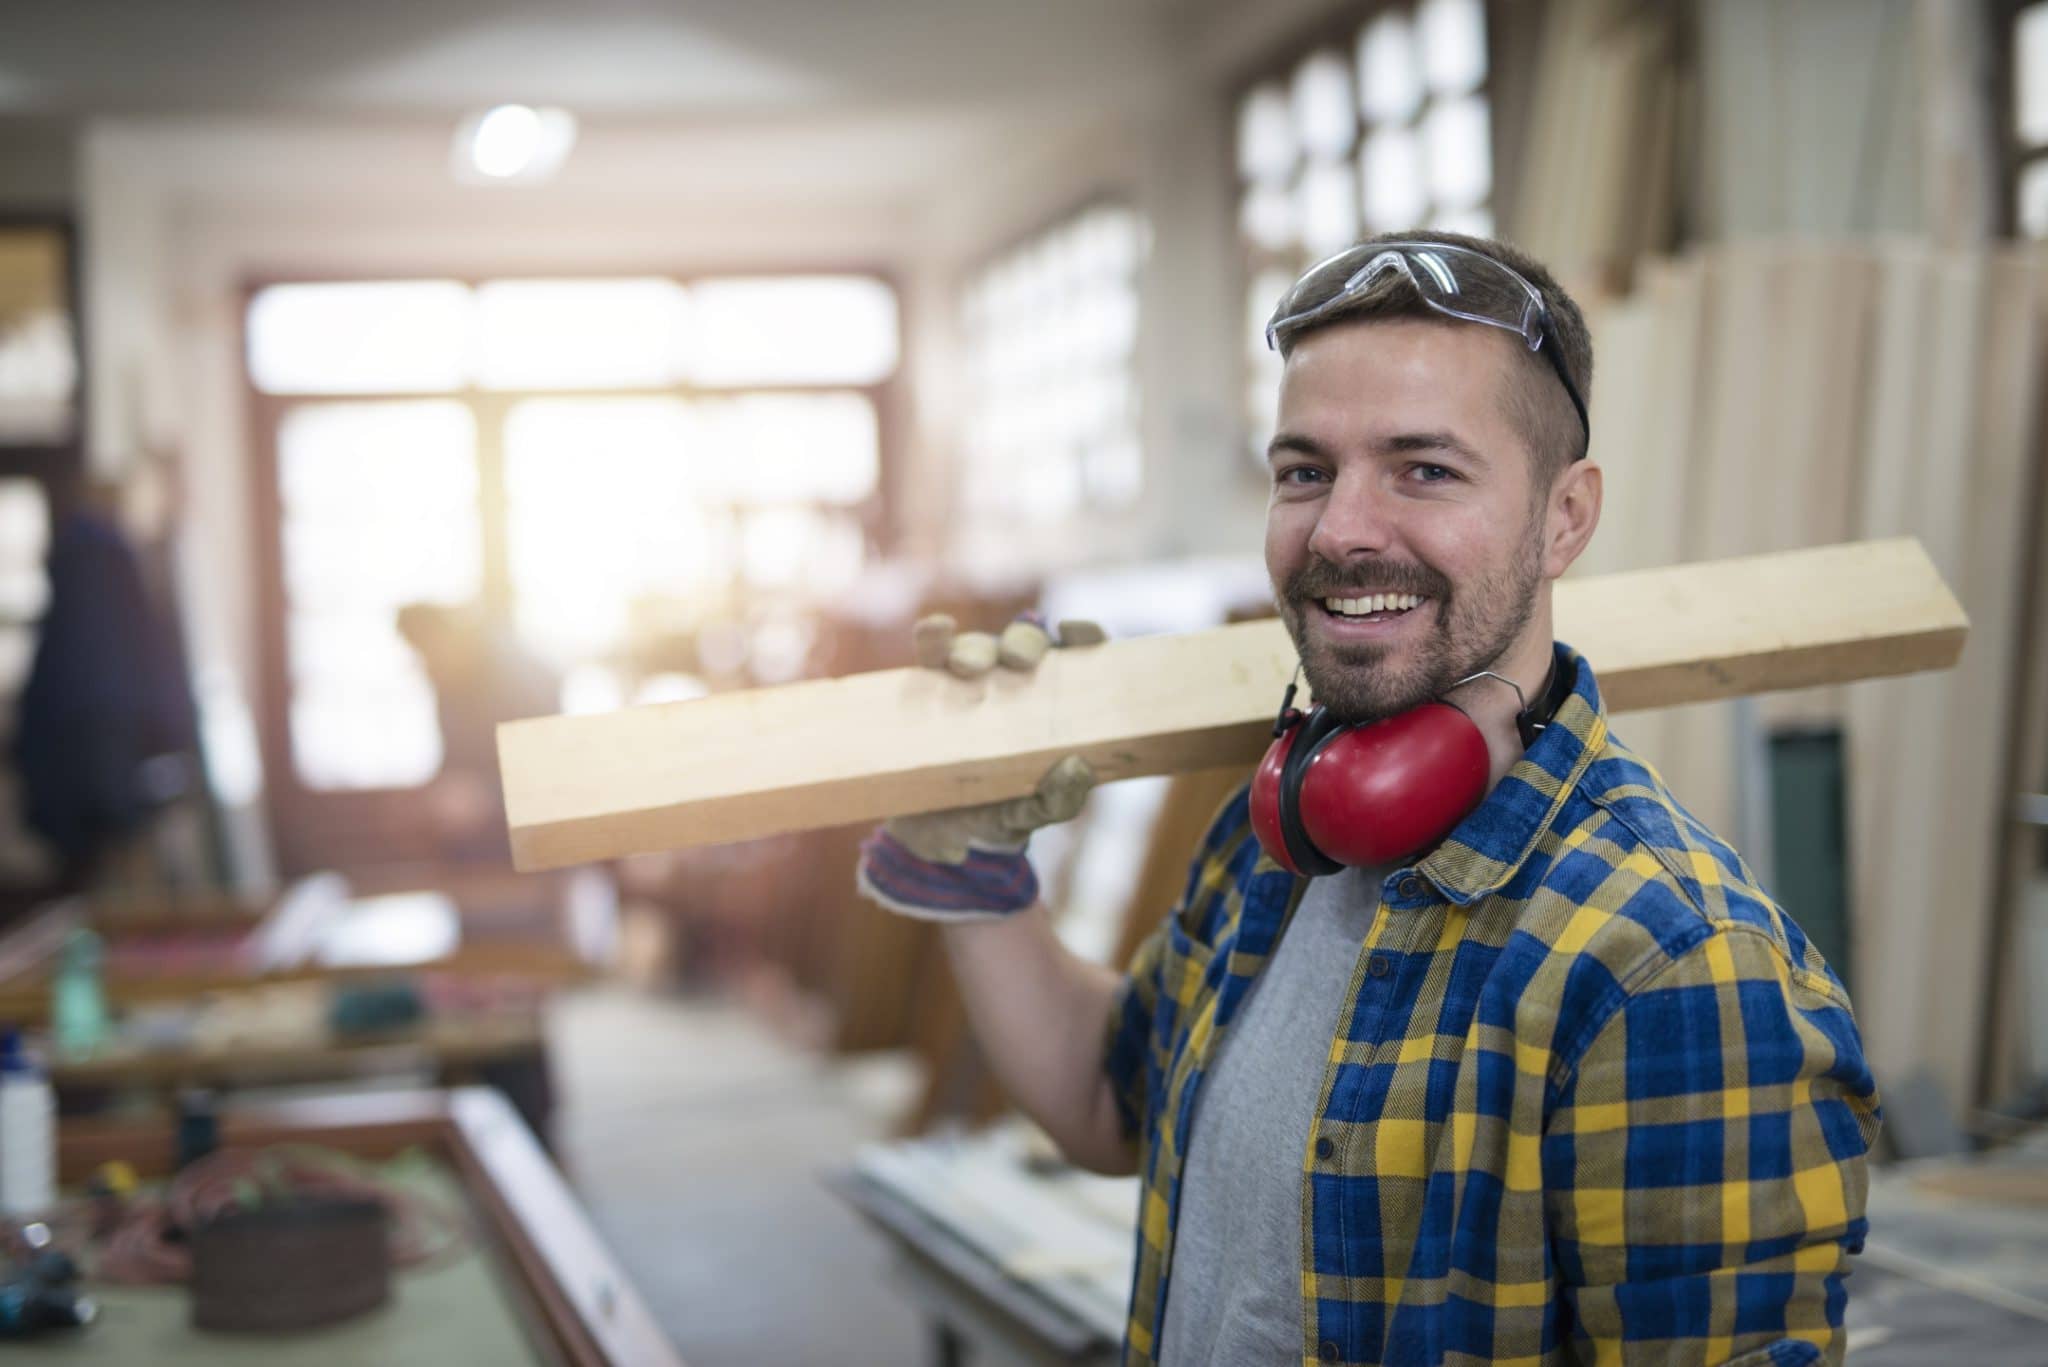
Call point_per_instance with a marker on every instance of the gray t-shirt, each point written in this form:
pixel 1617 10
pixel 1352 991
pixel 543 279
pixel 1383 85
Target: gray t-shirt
pixel 1235 1295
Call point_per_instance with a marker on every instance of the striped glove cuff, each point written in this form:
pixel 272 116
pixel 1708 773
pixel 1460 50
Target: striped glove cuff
pixel 986 885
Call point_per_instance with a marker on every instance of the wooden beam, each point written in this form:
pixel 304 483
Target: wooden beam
pixel 833 752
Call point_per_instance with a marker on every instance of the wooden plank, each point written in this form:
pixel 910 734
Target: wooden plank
pixel 834 751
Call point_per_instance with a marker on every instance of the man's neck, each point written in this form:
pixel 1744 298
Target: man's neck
pixel 1494 706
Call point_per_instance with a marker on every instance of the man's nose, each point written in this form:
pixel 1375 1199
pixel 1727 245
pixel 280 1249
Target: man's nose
pixel 1356 520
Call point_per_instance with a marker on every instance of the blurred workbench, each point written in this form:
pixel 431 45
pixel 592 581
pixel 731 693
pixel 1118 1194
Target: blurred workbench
pixel 533 1283
pixel 1015 1258
pixel 327 984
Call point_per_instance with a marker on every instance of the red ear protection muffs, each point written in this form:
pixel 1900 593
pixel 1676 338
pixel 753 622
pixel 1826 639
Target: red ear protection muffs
pixel 1332 794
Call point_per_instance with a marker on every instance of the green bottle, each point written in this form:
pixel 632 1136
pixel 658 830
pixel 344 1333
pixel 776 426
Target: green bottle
pixel 78 1002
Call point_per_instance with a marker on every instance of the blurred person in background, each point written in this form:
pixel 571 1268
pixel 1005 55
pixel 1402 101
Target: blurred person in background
pixel 106 731
pixel 482 675
pixel 1561 1084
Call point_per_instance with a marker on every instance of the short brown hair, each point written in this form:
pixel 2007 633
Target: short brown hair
pixel 1537 404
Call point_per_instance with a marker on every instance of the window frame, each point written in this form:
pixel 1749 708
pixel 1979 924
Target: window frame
pixel 2014 156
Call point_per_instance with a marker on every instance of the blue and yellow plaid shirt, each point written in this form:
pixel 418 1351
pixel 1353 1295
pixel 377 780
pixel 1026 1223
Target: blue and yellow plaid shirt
pixel 1594 1096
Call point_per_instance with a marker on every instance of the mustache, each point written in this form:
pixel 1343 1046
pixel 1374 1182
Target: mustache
pixel 1322 579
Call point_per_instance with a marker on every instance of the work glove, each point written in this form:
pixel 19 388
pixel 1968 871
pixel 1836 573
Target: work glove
pixel 968 863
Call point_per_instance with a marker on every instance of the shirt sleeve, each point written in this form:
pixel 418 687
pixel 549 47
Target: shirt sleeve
pixel 1129 1039
pixel 1704 1164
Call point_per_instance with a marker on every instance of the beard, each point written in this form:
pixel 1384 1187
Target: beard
pixel 1475 623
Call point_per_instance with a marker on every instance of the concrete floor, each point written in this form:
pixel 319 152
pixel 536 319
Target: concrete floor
pixel 696 1140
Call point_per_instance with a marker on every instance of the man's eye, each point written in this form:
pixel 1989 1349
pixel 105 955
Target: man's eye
pixel 1299 474
pixel 1435 474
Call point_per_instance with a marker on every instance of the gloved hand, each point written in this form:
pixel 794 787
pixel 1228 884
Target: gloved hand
pixel 968 863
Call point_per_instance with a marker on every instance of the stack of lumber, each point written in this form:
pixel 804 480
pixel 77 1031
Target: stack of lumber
pixel 1763 396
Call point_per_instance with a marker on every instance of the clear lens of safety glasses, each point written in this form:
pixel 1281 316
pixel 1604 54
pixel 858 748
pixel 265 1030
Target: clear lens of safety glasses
pixel 1442 273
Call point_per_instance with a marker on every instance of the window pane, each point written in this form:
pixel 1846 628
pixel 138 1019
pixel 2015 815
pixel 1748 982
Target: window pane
pixel 1389 72
pixel 380 510
pixel 1266 145
pixel 570 334
pixel 38 357
pixel 379 504
pixel 2030 75
pixel 1267 217
pixel 603 507
pixel 1460 158
pixel 1262 364
pixel 791 330
pixel 1472 222
pixel 381 337
pixel 2033 195
pixel 1390 167
pixel 781 448
pixel 17 657
pixel 1325 118
pixel 1453 34
pixel 1329 207
pixel 24 545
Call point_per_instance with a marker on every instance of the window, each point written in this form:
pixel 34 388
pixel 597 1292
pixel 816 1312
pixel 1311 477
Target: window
pixel 598 462
pixel 379 509
pixel 1384 127
pixel 24 594
pixel 1052 329
pixel 38 352
pixel 2029 120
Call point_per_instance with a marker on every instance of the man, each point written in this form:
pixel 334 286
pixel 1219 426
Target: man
pixel 481 676
pixel 1566 1085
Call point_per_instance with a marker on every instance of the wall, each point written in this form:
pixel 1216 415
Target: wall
pixel 1812 118
pixel 38 164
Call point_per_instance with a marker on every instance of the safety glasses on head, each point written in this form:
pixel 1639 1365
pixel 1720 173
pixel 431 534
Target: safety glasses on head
pixel 1453 280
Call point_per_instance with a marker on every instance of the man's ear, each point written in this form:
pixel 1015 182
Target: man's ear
pixel 1573 511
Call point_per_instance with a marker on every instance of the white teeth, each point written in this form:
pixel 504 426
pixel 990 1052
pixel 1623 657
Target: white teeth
pixel 1379 602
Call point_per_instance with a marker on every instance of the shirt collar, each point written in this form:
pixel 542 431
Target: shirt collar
pixel 1485 849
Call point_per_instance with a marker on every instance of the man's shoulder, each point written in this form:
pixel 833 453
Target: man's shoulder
pixel 1637 883
pixel 1229 851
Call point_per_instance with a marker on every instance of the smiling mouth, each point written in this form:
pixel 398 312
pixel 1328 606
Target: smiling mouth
pixel 1378 607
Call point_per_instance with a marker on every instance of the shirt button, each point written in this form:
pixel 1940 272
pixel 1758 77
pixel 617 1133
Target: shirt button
pixel 1329 1350
pixel 1324 1148
pixel 1378 966
pixel 1410 886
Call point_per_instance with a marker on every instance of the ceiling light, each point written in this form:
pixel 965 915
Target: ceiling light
pixel 513 144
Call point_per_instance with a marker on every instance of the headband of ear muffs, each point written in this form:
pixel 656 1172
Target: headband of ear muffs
pixel 1298 751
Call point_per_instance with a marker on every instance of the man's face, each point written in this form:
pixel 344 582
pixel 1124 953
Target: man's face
pixel 1396 473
